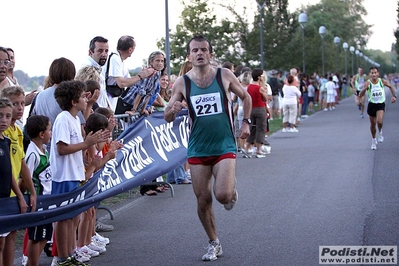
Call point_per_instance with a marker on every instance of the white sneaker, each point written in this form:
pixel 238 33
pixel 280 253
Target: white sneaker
pixel 99 238
pixel 374 144
pixel 284 130
pixel 80 256
pixel 89 252
pixel 325 109
pixel 214 251
pixel 96 246
pixel 233 201
pixel 24 260
pixel 54 261
pixel 380 137
pixel 266 149
pixel 294 130
pixel 260 155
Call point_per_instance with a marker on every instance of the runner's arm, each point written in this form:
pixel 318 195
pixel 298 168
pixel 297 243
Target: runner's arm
pixel 175 103
pixel 386 84
pixel 365 86
pixel 236 88
pixel 353 83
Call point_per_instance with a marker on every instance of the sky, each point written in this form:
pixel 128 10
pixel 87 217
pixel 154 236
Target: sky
pixel 42 30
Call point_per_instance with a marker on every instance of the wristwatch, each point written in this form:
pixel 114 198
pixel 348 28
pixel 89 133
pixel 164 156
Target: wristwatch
pixel 247 120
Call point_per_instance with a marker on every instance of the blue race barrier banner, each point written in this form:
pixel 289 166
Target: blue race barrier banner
pixel 152 147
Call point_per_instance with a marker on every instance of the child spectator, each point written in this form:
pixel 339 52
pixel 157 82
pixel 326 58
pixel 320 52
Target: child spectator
pixel 94 159
pixel 93 87
pixel 7 182
pixel 112 127
pixel 38 128
pixel 66 159
pixel 16 95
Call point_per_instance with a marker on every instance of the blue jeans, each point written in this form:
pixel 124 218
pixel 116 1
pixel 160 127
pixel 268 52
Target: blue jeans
pixel 177 175
pixel 344 90
pixel 305 101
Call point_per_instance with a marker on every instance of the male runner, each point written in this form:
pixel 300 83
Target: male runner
pixel 376 106
pixel 357 85
pixel 212 146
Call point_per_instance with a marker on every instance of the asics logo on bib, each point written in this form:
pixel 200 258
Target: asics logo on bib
pixel 205 99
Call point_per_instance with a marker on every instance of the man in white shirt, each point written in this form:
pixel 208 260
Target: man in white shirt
pixel 118 72
pixel 98 54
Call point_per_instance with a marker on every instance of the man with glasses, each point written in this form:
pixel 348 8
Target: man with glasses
pixel 13 81
pixel 4 63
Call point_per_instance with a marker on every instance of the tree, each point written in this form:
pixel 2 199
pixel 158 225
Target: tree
pixel 397 34
pixel 350 27
pixel 197 18
pixel 279 28
pixel 235 40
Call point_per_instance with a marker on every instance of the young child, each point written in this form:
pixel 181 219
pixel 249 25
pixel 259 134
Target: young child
pixel 66 159
pixel 38 128
pixel 112 123
pixel 16 95
pixel 86 233
pixel 93 162
pixel 7 181
pixel 93 87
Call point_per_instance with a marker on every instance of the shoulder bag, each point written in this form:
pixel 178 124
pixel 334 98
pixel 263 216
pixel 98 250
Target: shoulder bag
pixel 113 90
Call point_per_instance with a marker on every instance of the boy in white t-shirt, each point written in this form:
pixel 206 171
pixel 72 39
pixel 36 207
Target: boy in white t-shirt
pixel 66 160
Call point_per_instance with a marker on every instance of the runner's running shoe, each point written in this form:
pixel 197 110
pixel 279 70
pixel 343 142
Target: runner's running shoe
pixel 214 251
pixel 233 201
pixel 374 144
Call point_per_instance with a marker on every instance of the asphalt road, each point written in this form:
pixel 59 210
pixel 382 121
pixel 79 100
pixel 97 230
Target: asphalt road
pixel 321 186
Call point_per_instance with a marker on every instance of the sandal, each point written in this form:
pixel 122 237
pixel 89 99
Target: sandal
pixel 160 189
pixel 150 193
pixel 185 182
pixel 48 248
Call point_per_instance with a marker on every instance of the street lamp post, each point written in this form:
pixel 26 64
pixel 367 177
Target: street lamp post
pixel 360 55
pixel 366 61
pixel 322 32
pixel 352 50
pixel 345 46
pixel 261 34
pixel 357 58
pixel 337 40
pixel 303 19
pixel 167 41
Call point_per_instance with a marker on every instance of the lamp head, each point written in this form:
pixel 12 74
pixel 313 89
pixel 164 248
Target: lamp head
pixel 322 31
pixel 303 19
pixel 337 40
